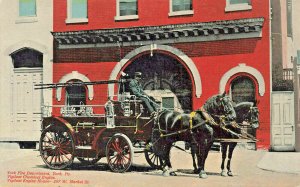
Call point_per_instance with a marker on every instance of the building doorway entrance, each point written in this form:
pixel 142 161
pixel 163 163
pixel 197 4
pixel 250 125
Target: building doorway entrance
pixel 162 72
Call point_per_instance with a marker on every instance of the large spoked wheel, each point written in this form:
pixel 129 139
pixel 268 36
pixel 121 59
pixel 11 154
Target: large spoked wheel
pixel 88 161
pixel 153 160
pixel 119 153
pixel 57 147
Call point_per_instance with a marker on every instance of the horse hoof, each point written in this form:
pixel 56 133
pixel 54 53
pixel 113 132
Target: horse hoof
pixel 202 175
pixel 166 173
pixel 172 173
pixel 223 173
pixel 229 173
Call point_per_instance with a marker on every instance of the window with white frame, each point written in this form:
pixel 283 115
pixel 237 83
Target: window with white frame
pixel 181 7
pixel 77 11
pixel 127 9
pixel 27 8
pixel 238 5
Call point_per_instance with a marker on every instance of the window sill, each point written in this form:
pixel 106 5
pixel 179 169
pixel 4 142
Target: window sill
pixel 181 13
pixel 77 20
pixel 27 19
pixel 238 7
pixel 129 17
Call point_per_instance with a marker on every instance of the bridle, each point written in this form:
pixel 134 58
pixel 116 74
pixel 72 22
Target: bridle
pixel 225 107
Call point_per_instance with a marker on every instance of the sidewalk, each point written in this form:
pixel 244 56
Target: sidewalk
pixel 283 162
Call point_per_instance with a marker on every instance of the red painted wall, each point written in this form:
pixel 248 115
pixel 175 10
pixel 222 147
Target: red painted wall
pixel 213 59
pixel 101 14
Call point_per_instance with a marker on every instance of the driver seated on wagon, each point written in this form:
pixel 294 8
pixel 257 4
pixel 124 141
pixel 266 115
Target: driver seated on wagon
pixel 136 89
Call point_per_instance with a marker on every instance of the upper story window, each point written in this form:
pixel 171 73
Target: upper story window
pixel 27 11
pixel 289 17
pixel 237 5
pixel 181 7
pixel 77 11
pixel 127 9
pixel 27 8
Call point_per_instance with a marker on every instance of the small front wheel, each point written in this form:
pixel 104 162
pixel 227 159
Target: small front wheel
pixel 153 160
pixel 119 153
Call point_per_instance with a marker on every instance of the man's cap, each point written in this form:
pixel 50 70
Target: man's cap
pixel 137 74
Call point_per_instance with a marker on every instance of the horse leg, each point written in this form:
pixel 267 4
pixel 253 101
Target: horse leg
pixel 200 157
pixel 207 148
pixel 167 167
pixel 205 144
pixel 193 152
pixel 172 173
pixel 231 148
pixel 224 152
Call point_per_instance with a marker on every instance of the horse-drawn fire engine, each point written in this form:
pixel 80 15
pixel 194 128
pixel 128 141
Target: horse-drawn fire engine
pixel 78 132
pixel 126 127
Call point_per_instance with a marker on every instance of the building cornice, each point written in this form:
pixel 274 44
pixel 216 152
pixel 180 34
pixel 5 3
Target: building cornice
pixel 208 31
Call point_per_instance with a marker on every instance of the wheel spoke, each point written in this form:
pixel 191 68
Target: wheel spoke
pixel 57 147
pixel 65 151
pixel 50 139
pixel 152 156
pixel 66 143
pixel 116 146
pixel 125 160
pixel 67 157
pixel 62 158
pixel 113 157
pixel 128 158
pixel 55 159
pixel 154 159
pixel 160 161
pixel 51 159
pixel 113 146
pixel 114 162
pixel 58 155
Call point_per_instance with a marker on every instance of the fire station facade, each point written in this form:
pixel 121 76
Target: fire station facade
pixel 195 49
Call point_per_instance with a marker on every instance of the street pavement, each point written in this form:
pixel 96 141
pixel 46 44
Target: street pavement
pixel 250 168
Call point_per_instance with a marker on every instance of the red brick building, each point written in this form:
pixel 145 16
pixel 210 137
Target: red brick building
pixel 194 48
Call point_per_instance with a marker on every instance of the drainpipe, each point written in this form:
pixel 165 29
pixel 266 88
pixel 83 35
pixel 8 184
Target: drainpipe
pixel 271 75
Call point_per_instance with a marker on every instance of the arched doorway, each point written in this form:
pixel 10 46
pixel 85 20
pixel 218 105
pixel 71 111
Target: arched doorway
pixel 242 89
pixel 159 72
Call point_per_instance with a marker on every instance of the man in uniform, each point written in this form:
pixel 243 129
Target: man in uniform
pixel 137 90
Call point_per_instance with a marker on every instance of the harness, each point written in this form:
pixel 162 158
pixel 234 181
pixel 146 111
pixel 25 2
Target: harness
pixel 192 115
pixel 208 119
pixel 191 126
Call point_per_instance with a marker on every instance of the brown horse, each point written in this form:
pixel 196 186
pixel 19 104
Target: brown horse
pixel 195 128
